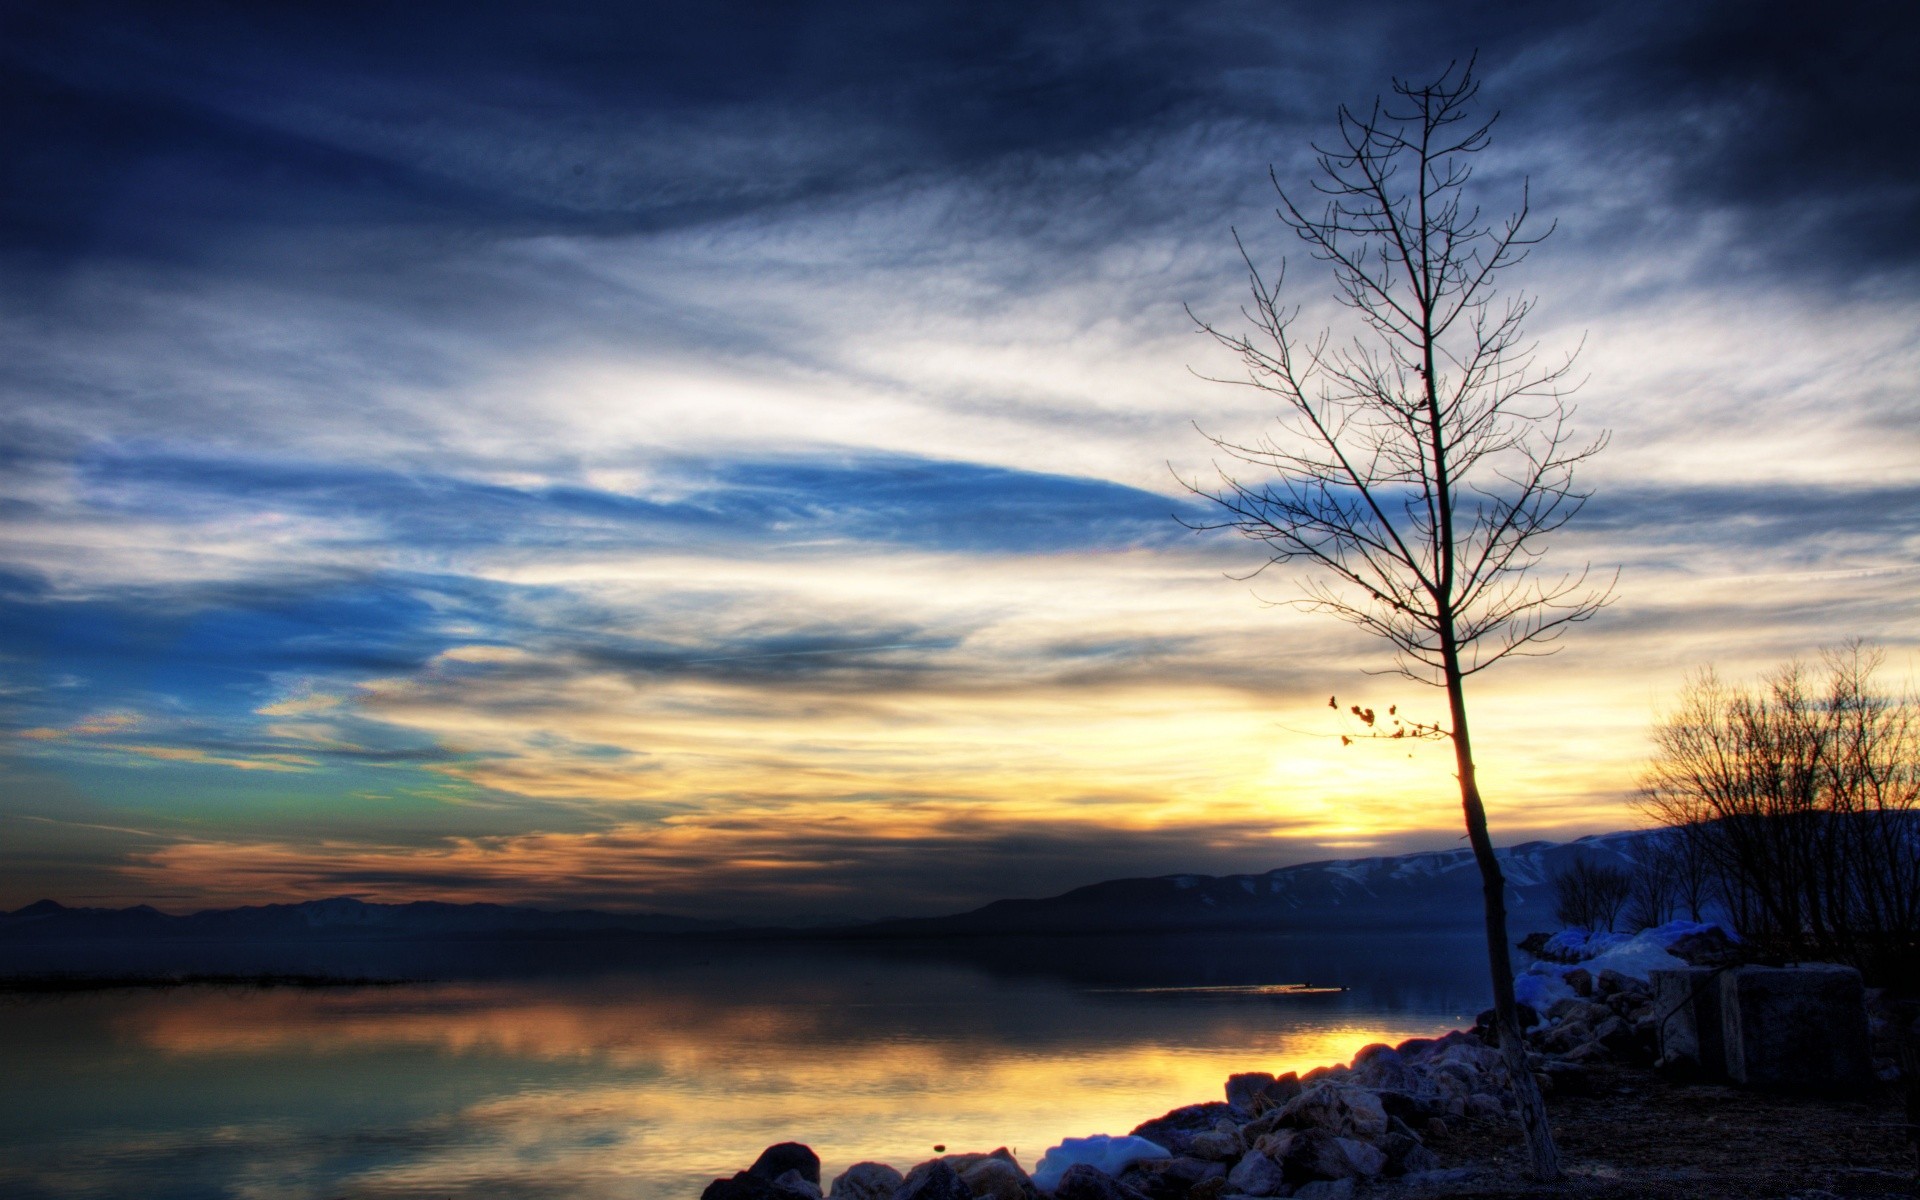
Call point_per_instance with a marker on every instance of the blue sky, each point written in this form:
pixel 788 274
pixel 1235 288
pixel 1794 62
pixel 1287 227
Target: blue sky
pixel 722 458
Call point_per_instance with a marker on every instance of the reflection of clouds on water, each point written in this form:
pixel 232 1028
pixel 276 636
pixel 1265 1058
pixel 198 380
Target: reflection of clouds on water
pixel 650 1082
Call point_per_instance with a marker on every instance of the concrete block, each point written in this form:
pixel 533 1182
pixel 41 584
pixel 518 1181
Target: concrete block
pixel 1687 1006
pixel 1801 1027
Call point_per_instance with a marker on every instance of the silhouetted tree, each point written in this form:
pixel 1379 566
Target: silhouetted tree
pixel 1590 894
pixel 1419 466
pixel 1803 798
pixel 1656 885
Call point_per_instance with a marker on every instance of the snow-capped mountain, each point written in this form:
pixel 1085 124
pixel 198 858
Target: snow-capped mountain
pixel 1436 888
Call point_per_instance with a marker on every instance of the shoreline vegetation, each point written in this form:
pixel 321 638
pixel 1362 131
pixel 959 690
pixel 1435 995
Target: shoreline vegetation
pixel 1435 1117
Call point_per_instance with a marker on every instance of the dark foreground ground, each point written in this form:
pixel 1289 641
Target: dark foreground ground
pixel 1642 1134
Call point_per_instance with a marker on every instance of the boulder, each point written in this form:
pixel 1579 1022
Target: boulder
pixel 1175 1129
pixel 741 1187
pixel 1689 1026
pixel 1244 1090
pixel 1223 1143
pixel 1380 1066
pixel 936 1180
pixel 998 1179
pixel 1410 1107
pixel 1305 1155
pixel 1346 1111
pixel 777 1160
pixel 1580 980
pixel 1173 1178
pixel 866 1181
pixel 1483 1107
pixel 1365 1158
pixel 1710 947
pixel 1611 983
pixel 1084 1181
pixel 1406 1155
pixel 1279 1092
pixel 1257 1175
pixel 799 1187
pixel 1617 1036
pixel 1803 1027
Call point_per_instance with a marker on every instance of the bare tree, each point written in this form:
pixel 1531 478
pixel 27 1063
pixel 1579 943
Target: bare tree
pixel 1590 895
pixel 1657 884
pixel 1803 797
pixel 1420 466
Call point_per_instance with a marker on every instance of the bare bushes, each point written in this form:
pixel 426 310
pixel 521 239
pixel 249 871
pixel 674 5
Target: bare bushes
pixel 1590 895
pixel 1800 800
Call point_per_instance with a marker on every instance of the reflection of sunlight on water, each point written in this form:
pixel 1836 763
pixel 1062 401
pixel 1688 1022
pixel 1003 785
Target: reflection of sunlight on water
pixel 675 1089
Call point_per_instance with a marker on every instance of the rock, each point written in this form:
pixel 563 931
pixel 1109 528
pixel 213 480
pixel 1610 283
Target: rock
pixel 1406 1155
pixel 1366 1159
pixel 1281 1090
pixel 994 1178
pixel 1331 1071
pixel 936 1180
pixel 866 1181
pixel 1172 1178
pixel 1414 1048
pixel 1482 1107
pixel 1257 1175
pixel 1579 980
pixel 1561 1007
pixel 777 1160
pixel 1408 1106
pixel 1617 1036
pixel 1711 947
pixel 1175 1129
pixel 1346 1111
pixel 1243 1090
pixel 1222 1143
pixel 794 1184
pixel 1371 1053
pixel 1208 1189
pixel 1803 1027
pixel 1381 1067
pixel 1086 1182
pixel 741 1187
pixel 1305 1155
pixel 1610 983
pixel 1568 1034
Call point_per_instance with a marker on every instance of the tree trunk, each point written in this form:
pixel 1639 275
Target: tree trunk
pixel 1493 887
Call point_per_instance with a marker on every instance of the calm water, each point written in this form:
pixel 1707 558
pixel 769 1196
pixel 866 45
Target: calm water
pixel 644 1072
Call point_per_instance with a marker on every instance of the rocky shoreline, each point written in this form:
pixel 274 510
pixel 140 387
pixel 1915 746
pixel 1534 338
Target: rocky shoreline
pixel 1428 1117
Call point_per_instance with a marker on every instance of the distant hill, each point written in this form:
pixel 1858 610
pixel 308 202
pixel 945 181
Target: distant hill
pixel 340 918
pixel 1438 889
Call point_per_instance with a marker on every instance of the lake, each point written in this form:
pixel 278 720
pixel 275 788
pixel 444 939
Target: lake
pixel 643 1070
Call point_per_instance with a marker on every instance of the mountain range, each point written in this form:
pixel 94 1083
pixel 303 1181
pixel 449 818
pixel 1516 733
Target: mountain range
pixel 1434 889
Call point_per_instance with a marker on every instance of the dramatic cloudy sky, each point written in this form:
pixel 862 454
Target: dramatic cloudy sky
pixel 719 458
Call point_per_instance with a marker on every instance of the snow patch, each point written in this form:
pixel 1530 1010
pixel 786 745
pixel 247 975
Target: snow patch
pixel 1109 1154
pixel 1636 957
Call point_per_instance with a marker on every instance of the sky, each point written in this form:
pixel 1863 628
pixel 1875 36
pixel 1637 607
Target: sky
pixel 725 458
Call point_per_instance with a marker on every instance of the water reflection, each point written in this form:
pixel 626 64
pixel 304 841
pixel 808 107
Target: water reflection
pixel 647 1079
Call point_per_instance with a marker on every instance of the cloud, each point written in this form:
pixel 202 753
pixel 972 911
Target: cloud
pixel 495 423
